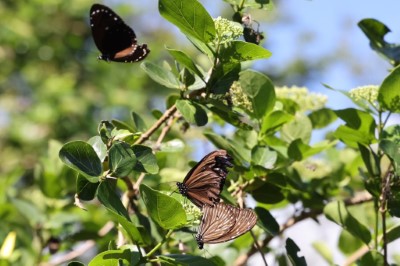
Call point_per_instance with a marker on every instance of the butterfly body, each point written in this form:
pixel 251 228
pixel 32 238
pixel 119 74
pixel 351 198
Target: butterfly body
pixel 205 181
pixel 115 40
pixel 222 222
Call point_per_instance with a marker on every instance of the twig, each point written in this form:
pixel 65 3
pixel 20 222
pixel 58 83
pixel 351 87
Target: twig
pixel 359 199
pixel 145 136
pixel 382 209
pixel 82 249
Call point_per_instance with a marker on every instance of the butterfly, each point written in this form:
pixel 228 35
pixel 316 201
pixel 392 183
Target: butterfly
pixel 115 40
pixel 223 222
pixel 204 182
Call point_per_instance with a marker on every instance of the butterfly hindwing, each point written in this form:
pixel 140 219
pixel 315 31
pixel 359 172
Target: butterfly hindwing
pixel 222 222
pixel 115 40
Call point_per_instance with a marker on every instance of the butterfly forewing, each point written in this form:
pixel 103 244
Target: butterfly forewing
pixel 115 40
pixel 204 182
pixel 223 222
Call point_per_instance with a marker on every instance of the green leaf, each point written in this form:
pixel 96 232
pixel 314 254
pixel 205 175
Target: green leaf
pixel 389 92
pixel 376 31
pixel 264 157
pixel 138 122
pixel 322 118
pixel 298 150
pixel 260 90
pixel 299 128
pixel 392 150
pixel 99 147
pixel 190 17
pixel 337 212
pixel 268 193
pixel 121 159
pixel 223 76
pixel 266 221
pixel 186 61
pixel 105 128
pixel 115 257
pixel 85 189
pixel 192 112
pixel 272 121
pixel 324 250
pixel 227 114
pixel 166 211
pixel 122 125
pixel 240 51
pixel 81 157
pixel 161 75
pixel 146 160
pixel 393 234
pixel 108 197
pixel 185 260
pixel 292 249
pixel 360 127
pixel 370 160
pixel 372 257
pixel 266 5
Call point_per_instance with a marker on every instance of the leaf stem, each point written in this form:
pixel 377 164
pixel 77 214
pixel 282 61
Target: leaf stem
pixel 151 252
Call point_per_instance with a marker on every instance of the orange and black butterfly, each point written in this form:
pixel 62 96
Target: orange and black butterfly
pixel 205 181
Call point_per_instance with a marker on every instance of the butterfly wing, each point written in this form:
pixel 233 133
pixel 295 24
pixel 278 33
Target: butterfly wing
pixel 245 219
pixel 217 221
pixel 204 182
pixel 115 40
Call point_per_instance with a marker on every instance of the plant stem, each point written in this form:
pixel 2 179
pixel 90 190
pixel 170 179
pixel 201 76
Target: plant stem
pixel 151 252
pixel 145 136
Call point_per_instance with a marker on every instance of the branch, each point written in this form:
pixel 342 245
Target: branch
pixel 358 199
pixel 145 136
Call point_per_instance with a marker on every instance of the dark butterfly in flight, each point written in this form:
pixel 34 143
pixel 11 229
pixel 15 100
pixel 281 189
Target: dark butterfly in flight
pixel 115 40
pixel 250 34
pixel 222 222
pixel 204 182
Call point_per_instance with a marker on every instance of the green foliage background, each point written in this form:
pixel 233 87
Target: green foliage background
pixel 54 90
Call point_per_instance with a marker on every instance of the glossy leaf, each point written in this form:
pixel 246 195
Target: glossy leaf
pixel 183 260
pixel 190 17
pixel 389 93
pixel 266 221
pixel 360 127
pixel 115 257
pixel 138 123
pixel 99 147
pixel 108 197
pixel 185 60
pixel 268 193
pixel 146 160
pixel 274 120
pixel 372 257
pixel 264 157
pixel 81 157
pixel 392 149
pixel 121 159
pixel 337 212
pixel 192 112
pixel 161 75
pixel 166 211
pixel 260 90
pixel 298 128
pixel 376 31
pixel 298 150
pixel 292 249
pixel 227 114
pixel 322 118
pixel 85 189
pixel 240 51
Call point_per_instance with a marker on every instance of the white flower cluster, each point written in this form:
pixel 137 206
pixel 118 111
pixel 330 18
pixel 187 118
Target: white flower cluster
pixel 227 30
pixel 305 99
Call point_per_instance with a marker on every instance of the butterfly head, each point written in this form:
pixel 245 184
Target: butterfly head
pixel 182 188
pixel 199 240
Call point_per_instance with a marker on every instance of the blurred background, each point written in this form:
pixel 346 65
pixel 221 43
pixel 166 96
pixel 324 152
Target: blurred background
pixel 52 87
